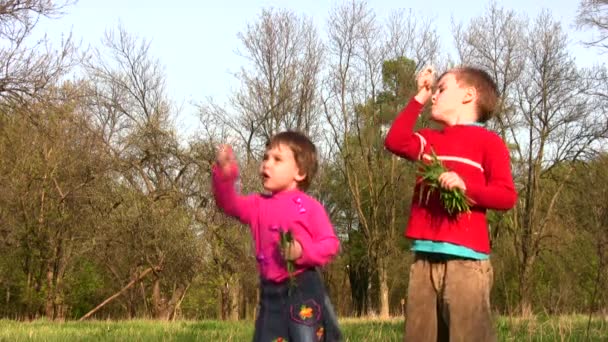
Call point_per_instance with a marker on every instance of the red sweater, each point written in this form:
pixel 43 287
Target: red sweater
pixel 478 156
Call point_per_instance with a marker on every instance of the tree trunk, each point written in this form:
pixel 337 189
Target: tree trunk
pixel 383 290
pixel 525 304
pixel 157 299
pixel 359 280
pixel 131 303
pixel 144 299
pixel 59 296
pixel 234 294
pixel 223 302
pixel 49 305
pixel 179 295
pixel 165 309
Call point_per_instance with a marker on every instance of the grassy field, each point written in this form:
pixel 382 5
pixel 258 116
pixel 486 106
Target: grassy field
pixel 565 328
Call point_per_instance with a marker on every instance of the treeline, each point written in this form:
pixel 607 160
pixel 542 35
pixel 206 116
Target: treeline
pixel 106 211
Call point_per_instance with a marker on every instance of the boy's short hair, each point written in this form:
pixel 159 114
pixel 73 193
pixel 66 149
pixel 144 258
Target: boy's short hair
pixel 304 153
pixel 487 91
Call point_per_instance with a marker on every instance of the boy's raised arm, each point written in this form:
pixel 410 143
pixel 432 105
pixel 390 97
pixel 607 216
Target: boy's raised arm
pixel 401 138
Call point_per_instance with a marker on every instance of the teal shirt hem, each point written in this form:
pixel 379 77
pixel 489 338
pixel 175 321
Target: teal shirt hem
pixel 428 246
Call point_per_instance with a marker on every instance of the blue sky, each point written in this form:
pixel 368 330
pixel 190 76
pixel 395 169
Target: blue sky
pixel 196 41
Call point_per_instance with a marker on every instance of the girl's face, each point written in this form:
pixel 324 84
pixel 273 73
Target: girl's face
pixel 279 170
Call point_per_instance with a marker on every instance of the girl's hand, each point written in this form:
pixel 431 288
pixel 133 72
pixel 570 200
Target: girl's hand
pixel 293 251
pixel 225 159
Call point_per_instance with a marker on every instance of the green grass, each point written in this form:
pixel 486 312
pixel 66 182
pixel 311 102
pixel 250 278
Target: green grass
pixel 564 328
pixel 547 328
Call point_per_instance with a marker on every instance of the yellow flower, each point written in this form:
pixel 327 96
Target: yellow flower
pixel 305 312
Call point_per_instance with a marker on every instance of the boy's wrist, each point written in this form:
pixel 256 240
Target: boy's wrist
pixel 423 96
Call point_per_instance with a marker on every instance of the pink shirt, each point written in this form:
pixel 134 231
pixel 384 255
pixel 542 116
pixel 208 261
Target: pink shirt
pixel 267 215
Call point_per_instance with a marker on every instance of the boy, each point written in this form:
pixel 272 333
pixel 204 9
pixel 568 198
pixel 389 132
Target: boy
pixel 451 277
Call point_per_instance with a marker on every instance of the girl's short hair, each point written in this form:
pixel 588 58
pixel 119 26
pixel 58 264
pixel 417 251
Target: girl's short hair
pixel 304 153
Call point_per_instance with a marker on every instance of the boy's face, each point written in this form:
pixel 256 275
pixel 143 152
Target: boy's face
pixel 279 170
pixel 450 99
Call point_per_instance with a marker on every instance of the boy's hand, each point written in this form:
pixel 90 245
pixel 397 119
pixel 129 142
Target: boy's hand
pixel 425 81
pixel 225 159
pixel 451 180
pixel 293 251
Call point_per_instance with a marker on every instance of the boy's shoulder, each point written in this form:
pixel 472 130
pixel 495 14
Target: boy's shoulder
pixel 490 135
pixel 482 132
pixel 490 142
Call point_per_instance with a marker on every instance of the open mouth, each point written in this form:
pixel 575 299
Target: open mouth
pixel 265 175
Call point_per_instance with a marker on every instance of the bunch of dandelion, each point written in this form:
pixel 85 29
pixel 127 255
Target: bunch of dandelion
pixel 454 201
pixel 286 239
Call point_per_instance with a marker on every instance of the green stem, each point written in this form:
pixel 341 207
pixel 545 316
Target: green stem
pixel 286 240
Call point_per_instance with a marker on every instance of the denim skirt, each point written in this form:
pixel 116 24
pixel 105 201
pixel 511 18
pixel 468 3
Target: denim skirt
pixel 296 312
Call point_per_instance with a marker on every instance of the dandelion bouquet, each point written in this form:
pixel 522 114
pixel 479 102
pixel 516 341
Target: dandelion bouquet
pixel 454 201
pixel 286 239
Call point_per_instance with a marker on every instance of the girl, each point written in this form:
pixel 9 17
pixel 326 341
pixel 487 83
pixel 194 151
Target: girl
pixel 294 305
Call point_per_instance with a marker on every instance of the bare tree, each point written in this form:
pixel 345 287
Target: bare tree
pixel 593 14
pixel 25 69
pixel 588 212
pixel 133 115
pixel 558 122
pixel 412 37
pixel 51 167
pixel 344 89
pixel 279 84
pixel 30 72
pixel 361 85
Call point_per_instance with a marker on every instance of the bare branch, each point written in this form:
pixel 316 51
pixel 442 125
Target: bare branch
pixel 593 15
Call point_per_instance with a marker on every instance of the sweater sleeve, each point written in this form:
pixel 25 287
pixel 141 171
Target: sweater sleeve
pixel 498 192
pixel 318 239
pixel 228 199
pixel 401 138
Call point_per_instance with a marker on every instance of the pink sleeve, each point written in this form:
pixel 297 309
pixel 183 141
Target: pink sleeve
pixel 401 138
pixel 317 237
pixel 228 199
